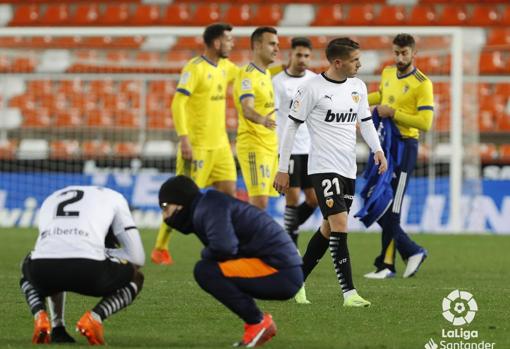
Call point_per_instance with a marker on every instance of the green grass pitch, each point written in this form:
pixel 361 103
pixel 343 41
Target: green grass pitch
pixel 173 312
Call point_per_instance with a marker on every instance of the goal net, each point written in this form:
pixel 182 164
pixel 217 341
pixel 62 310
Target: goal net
pixel 94 108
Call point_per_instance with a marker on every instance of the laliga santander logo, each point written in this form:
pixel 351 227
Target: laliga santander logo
pixel 459 308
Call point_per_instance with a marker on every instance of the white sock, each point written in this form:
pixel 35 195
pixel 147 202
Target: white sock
pixel 350 293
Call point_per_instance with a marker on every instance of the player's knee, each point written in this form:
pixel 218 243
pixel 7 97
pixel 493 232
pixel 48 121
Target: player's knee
pixel 338 222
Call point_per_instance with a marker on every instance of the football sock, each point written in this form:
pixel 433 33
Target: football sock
pixel 163 238
pixel 341 260
pixel 316 248
pixel 304 211
pixel 57 309
pixel 117 301
pixel 33 298
pixel 290 218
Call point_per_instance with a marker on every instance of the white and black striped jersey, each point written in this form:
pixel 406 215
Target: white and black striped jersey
pixel 331 110
pixel 285 87
pixel 74 221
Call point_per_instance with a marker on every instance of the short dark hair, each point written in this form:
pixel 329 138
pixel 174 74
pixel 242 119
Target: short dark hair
pixel 404 40
pixel 301 41
pixel 215 31
pixel 257 34
pixel 340 48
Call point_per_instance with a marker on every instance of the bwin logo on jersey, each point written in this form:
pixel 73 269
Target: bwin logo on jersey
pixel 341 117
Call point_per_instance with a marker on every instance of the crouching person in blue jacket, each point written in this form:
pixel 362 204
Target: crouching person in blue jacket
pixel 247 254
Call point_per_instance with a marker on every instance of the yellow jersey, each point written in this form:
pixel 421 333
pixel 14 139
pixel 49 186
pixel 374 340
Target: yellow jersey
pixel 254 82
pixel 412 97
pixel 202 116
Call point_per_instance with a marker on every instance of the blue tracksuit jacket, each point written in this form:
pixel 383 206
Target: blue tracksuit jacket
pixel 230 228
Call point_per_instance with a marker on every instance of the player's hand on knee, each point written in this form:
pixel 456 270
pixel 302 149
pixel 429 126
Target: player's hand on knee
pixel 380 160
pixel 281 182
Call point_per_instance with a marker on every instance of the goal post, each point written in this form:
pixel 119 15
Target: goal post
pixel 434 164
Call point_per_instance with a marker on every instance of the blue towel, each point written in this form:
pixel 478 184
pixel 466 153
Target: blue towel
pixel 377 193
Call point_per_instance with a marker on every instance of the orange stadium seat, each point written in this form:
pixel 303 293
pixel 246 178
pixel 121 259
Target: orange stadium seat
pixel 99 118
pixel 238 15
pixel 127 42
pixel 177 14
pixel 242 43
pixel 39 87
pixel 189 43
pixel 329 15
pixel 165 87
pixel 498 36
pixel 96 149
pixel 422 15
pixel 360 15
pixel 161 120
pixel 374 42
pixel 148 57
pixel 117 56
pixel 391 15
pixel 268 14
pixel 502 89
pixel 70 86
pixel 36 118
pixel 240 57
pixel 491 62
pixel 116 14
pixel 127 119
pixel 178 58
pixel 504 123
pixel 504 153
pixel 55 15
pixel 64 149
pixel 453 15
pixel 8 149
pixel 85 14
pixel 25 15
pixel 484 15
pixel 67 118
pixel 205 14
pixel 23 65
pixel 126 149
pixel 145 15
pixel 105 86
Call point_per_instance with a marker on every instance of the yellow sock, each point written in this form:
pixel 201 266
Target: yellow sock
pixel 163 238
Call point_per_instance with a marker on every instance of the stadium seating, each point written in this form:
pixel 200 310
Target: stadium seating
pixel 78 105
pixel 64 149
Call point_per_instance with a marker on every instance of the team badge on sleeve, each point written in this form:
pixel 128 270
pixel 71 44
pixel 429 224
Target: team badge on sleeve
pixel 355 97
pixel 184 78
pixel 246 84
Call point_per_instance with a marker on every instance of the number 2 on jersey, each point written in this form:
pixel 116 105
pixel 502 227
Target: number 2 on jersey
pixel 61 212
pixel 327 184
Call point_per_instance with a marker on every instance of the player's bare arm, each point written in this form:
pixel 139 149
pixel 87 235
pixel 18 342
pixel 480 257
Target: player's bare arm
pixel 248 105
pixel 186 150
